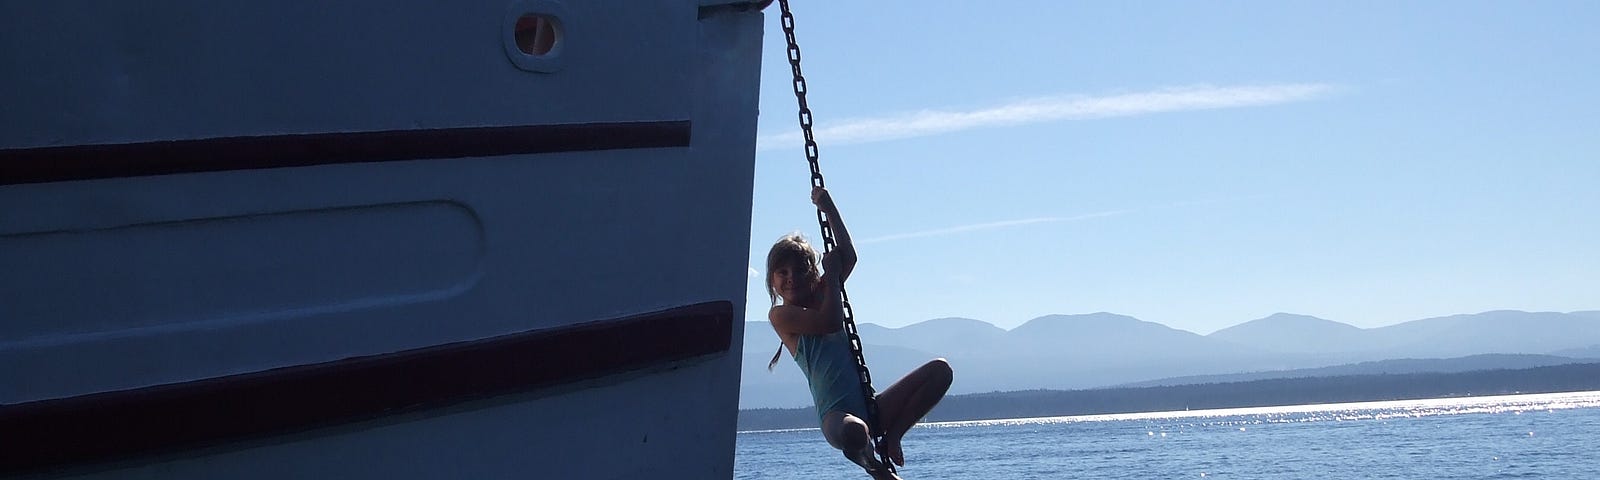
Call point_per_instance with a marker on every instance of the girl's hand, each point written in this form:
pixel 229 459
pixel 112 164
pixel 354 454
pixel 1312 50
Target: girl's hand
pixel 820 197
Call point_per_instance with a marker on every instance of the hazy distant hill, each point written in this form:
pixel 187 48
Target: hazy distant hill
pixel 1079 351
pixel 1289 333
pixel 1495 361
pixel 1107 335
pixel 1102 349
pixel 1504 331
pixel 951 336
pixel 1591 352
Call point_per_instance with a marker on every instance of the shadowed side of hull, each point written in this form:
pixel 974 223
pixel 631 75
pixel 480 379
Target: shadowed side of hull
pixel 374 241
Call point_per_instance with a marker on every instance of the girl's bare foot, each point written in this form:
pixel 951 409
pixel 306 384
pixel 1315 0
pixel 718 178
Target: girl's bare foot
pixel 892 450
pixel 871 464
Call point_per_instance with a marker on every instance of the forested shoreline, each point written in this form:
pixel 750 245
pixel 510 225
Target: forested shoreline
pixel 1257 393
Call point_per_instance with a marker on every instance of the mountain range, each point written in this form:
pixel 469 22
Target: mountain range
pixel 1106 349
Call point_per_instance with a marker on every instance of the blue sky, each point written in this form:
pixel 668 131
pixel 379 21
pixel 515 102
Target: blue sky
pixel 1196 164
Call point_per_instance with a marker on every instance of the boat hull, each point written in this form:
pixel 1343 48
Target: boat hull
pixel 213 194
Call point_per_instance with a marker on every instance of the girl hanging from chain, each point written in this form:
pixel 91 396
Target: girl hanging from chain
pixel 809 321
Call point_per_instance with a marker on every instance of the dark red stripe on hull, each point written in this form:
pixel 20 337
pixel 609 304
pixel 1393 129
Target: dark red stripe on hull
pixel 86 162
pixel 170 418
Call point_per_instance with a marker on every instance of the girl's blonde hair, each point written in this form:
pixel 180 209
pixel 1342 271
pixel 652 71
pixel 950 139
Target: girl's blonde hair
pixel 792 250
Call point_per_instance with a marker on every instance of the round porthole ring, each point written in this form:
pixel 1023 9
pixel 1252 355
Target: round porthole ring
pixel 548 62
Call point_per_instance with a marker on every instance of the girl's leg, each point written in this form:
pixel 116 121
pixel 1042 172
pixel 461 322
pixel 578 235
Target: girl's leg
pixel 849 434
pixel 910 399
pixel 844 431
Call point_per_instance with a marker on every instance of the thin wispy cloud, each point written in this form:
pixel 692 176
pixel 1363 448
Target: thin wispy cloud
pixel 988 226
pixel 1044 109
pixel 1041 220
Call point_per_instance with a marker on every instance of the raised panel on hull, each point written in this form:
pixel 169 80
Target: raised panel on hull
pixel 75 285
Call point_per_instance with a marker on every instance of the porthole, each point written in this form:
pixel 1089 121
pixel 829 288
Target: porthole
pixel 537 35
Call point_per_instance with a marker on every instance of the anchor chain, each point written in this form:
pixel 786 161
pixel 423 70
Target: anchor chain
pixel 827 237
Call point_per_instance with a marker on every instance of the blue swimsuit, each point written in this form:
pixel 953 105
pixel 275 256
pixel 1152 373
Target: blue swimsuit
pixel 830 367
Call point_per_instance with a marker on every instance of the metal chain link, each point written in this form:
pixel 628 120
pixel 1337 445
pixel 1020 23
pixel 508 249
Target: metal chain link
pixel 827 238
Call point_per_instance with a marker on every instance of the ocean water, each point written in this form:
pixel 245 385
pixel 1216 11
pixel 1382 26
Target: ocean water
pixel 1544 436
